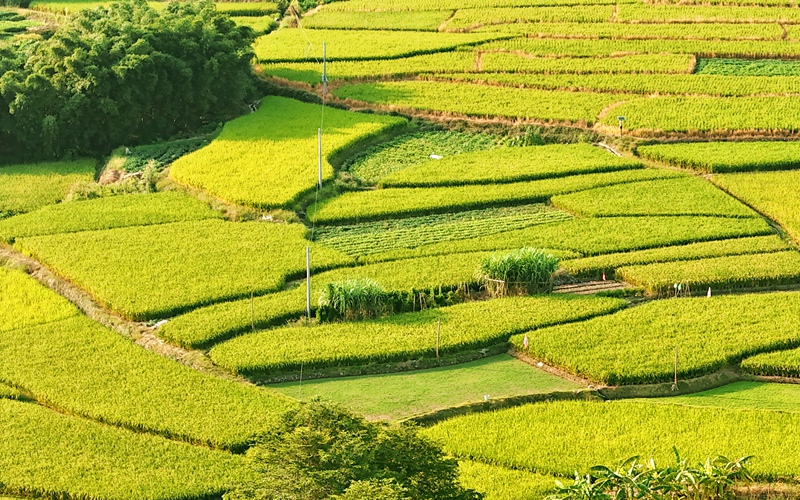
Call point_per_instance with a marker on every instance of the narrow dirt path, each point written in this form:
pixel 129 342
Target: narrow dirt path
pixel 139 333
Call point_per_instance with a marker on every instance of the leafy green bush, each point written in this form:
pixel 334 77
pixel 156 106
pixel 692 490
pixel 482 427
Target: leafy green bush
pixel 527 270
pixel 352 299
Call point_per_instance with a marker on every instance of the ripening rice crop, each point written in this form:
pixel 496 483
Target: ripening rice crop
pixel 62 456
pixel 642 12
pixel 708 114
pixel 737 271
pixel 722 157
pixel 600 264
pixel 505 63
pixel 78 366
pixel 480 100
pixel 781 363
pixel 217 322
pixel 269 158
pixel 154 271
pixel 678 196
pixel 382 236
pixel 29 186
pixel 510 165
pixel 345 45
pixel 591 236
pixel 417 5
pixel 638 345
pixel 501 483
pixel 469 19
pixel 406 202
pixel 637 31
pixel 569 436
pixel 106 213
pixel 402 337
pixel 774 194
pixel 251 9
pixel 24 303
pixel 403 21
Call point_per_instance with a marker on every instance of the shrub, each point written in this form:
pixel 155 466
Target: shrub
pixel 359 298
pixel 527 270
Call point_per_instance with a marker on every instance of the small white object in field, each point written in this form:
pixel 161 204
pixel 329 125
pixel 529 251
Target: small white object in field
pixel 709 293
pixel 436 157
pixel 160 323
pixel 540 364
pixel 486 397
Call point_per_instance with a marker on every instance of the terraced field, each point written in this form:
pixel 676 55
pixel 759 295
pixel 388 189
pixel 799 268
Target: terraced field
pixel 151 339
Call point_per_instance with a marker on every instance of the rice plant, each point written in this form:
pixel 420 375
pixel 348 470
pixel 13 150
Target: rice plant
pixel 527 270
pixel 351 299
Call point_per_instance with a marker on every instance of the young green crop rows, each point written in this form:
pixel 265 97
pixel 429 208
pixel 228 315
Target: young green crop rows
pixel 270 156
pixel 510 165
pixel 480 100
pixel 81 368
pixel 722 157
pixel 591 236
pixel 745 67
pixel 594 267
pixel 155 271
pixel 406 202
pixel 382 236
pixel 737 271
pixel 564 437
pixel 302 45
pixel 678 196
pixel 27 187
pixel 107 213
pixel 374 163
pixel 212 324
pixel 402 337
pixel 771 193
pixel 638 345
pixel 59 456
pixel 744 396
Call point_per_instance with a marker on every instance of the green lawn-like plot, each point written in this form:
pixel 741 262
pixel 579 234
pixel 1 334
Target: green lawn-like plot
pixel 638 345
pixel 397 395
pixel 744 396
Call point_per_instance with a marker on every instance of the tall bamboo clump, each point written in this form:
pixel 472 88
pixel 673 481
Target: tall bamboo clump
pixel 352 299
pixel 523 271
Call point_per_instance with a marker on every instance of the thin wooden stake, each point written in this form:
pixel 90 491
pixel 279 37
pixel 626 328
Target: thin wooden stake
pixel 308 282
pixel 438 337
pixel 319 157
pixel 675 382
pixel 252 313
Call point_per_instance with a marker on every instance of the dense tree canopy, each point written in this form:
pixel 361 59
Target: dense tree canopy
pixel 124 74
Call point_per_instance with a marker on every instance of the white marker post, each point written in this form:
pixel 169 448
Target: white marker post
pixel 308 282
pixel 319 157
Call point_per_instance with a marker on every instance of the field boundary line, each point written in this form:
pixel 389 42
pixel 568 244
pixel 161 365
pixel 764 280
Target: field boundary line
pixel 138 333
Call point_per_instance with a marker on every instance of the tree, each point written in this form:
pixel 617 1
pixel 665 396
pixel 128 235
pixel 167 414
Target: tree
pixel 321 451
pixel 127 74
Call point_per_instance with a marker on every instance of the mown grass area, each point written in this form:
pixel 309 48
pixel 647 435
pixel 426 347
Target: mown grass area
pixel 748 67
pixel 270 156
pixel 590 236
pixel 43 452
pixel 365 206
pixel 156 271
pixel 24 303
pixel 403 21
pixel 724 157
pixel 708 114
pixel 398 395
pixel 679 196
pixel 510 165
pixel 408 150
pixel 300 45
pixel 382 236
pixel 82 368
pixel 729 272
pixel 501 483
pixel 211 324
pixel 402 337
pixel 564 437
pixel 594 267
pixel 774 194
pixel 30 186
pixel 743 396
pixel 481 101
pixel 638 345
pixel 781 363
pixel 107 213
